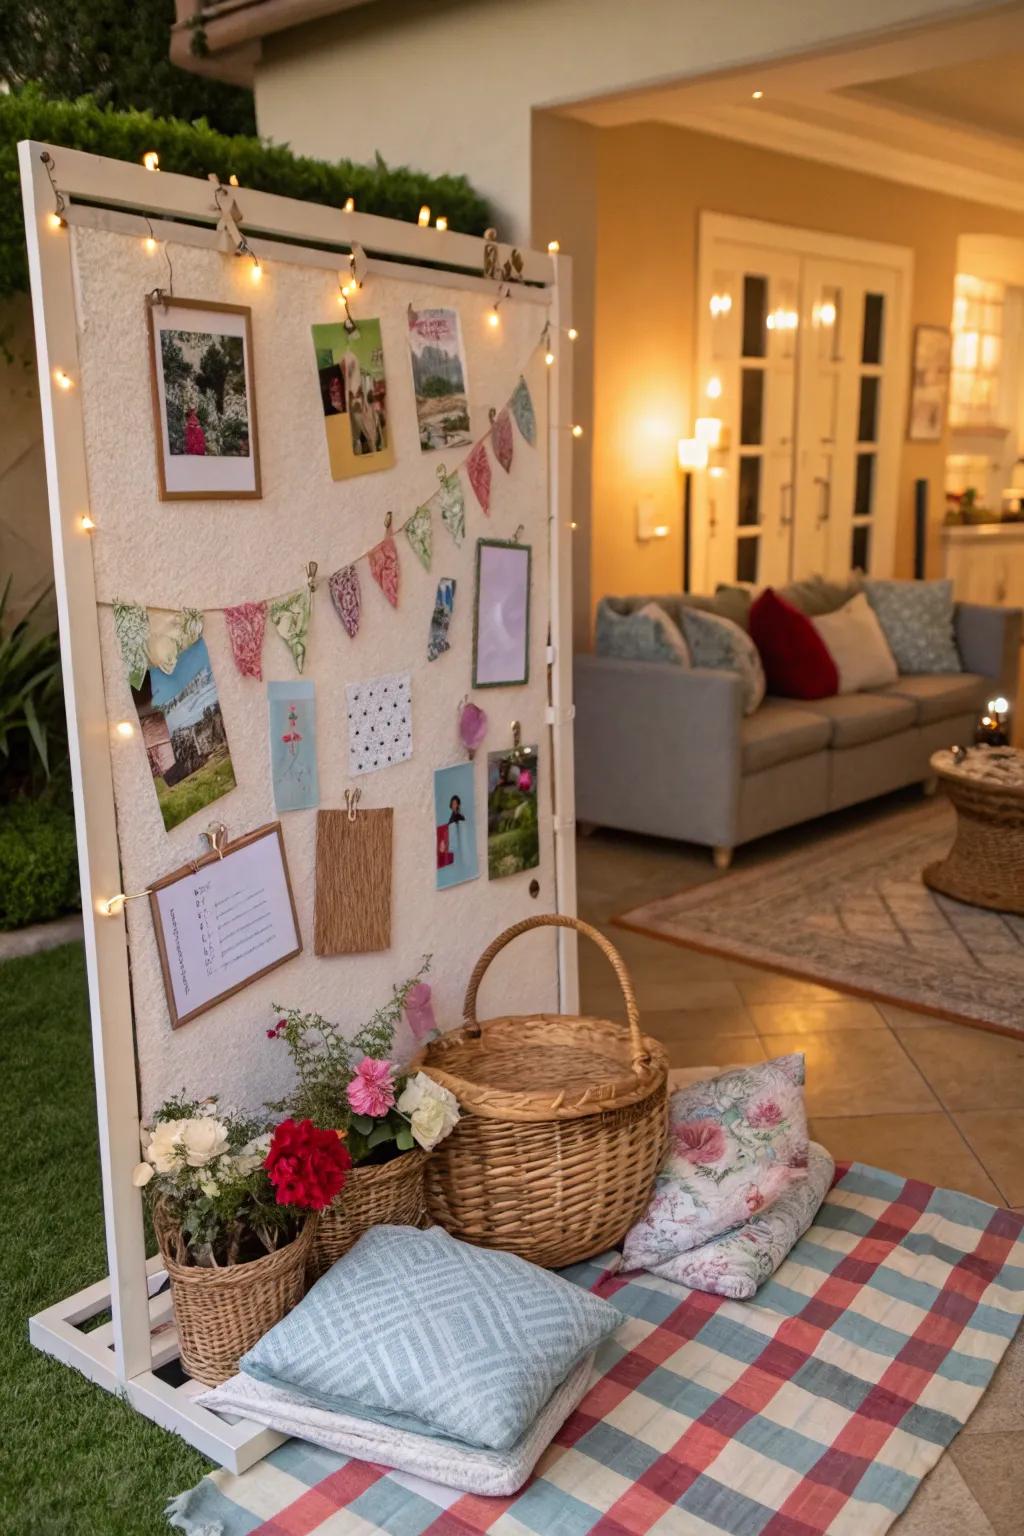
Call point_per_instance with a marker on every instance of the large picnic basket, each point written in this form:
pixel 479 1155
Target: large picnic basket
pixel 563 1123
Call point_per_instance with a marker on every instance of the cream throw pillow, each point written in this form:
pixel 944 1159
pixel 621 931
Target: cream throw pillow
pixel 857 645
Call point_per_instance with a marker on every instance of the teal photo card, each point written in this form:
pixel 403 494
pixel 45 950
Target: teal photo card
pixel 455 825
pixel 292 709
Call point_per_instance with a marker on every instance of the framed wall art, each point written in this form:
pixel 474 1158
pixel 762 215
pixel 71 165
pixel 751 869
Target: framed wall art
pixel 204 400
pixel 224 921
pixel 929 389
pixel 501 615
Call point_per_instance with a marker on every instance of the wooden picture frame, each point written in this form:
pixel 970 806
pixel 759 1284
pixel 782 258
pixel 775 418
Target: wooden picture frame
pixel 190 873
pixel 929 384
pixel 230 477
pixel 501 589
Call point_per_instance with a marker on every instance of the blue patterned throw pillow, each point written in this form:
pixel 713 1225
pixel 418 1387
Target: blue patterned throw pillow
pixel 917 621
pixel 721 645
pixel 642 634
pixel 417 1330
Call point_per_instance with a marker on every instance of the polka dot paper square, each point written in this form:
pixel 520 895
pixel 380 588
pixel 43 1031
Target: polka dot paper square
pixel 379 722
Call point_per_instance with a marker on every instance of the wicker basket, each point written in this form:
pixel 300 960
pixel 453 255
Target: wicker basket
pixel 374 1193
pixel 221 1313
pixel 563 1124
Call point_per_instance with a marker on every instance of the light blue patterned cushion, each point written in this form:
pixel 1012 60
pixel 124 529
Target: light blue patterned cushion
pixel 644 634
pixel 417 1330
pixel 917 621
pixel 720 644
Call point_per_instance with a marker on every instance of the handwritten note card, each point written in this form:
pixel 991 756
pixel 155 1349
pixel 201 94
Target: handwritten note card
pixel 226 924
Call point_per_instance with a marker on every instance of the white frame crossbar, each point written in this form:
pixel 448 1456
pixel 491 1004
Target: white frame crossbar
pixel 125 1354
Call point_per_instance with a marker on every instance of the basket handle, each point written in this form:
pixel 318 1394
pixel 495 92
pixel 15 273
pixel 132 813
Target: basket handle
pixel 640 1058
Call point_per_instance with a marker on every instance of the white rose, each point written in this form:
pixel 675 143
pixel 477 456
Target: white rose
pixel 433 1111
pixel 141 1174
pixel 203 1140
pixel 209 1187
pixel 252 1156
pixel 161 1150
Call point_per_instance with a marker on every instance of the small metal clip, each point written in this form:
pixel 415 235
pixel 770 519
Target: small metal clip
pixel 352 798
pixel 311 569
pixel 388 519
pixel 216 835
pixel 518 534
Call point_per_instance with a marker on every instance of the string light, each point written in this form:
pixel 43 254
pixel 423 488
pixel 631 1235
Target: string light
pixel 493 318
pixel 257 271
pixel 64 380
pixel 720 303
pixel 573 526
pixel 113 906
pixel 86 523
pixel 713 388
pixel 572 333
pixel 756 95
pixel 150 244
pixel 125 729
pixel 55 221
pixel 424 216
pixel 151 160
pixel 350 205
pixel 553 247
pixel 441 222
pixel 549 358
pixel 577 430
pixel 232 180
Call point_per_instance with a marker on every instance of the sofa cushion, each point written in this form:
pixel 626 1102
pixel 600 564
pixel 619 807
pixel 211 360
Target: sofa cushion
pixel 917 618
pixel 644 634
pixel 857 645
pixel 796 660
pixel 942 695
pixel 815 595
pixel 730 602
pixel 721 646
pixel 855 718
pixel 780 732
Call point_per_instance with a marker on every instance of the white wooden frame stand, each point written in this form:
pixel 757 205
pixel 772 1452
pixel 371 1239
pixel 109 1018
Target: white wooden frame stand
pixel 125 1354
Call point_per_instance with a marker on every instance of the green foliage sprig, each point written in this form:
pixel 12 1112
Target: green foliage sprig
pixel 195 149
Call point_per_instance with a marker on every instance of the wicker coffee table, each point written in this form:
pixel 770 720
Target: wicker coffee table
pixel 985 866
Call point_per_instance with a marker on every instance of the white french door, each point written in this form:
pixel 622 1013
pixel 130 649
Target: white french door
pixel 802 352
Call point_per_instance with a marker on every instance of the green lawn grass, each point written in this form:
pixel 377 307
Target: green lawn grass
pixel 74 1460
pixel 207 784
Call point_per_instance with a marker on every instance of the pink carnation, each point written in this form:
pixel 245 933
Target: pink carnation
pixel 699 1141
pixel 372 1091
pixel 765 1112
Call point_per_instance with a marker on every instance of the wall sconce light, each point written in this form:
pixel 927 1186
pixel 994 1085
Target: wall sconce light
pixel 647 525
pixel 708 430
pixel 693 454
pixel 713 388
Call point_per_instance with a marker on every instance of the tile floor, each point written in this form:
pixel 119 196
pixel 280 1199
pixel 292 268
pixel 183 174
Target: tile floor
pixel 884 1085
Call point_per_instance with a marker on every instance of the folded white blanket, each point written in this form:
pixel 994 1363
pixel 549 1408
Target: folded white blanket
pixel 441 1460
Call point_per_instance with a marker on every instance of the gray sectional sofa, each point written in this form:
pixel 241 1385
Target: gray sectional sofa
pixel 666 750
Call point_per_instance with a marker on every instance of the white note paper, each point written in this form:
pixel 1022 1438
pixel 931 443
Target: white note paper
pixel 226 924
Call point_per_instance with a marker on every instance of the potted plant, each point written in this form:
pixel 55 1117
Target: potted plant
pixel 230 1200
pixel 389 1121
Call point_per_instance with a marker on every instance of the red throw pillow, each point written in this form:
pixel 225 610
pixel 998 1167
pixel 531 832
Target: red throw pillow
pixel 797 663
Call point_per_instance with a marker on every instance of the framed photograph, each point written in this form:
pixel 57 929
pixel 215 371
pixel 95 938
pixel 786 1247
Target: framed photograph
pixel 455 825
pixel 354 398
pixel 224 921
pixel 930 386
pixel 182 729
pixel 204 400
pixel 513 834
pixel 501 616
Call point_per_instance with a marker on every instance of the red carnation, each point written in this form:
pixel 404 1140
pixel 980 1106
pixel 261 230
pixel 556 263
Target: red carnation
pixel 306 1166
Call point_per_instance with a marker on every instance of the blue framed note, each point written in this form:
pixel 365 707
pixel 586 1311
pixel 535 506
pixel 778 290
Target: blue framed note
pixel 292 717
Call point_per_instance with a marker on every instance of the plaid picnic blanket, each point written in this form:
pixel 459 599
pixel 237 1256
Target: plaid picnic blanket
pixel 816 1407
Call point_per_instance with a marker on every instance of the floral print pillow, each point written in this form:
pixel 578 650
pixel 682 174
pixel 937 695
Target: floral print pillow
pixel 735 1144
pixel 740 1261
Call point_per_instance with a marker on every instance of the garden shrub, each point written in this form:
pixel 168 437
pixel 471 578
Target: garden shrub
pixel 38 862
pixel 195 149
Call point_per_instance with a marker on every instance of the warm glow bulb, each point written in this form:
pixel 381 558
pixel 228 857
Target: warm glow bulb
pixel 150 244
pixel 1000 705
pixel 693 454
pixel 441 222
pixel 708 429
pixel 350 205
pixel 493 318
pixel 424 218
pixel 572 525
pixel 549 358
pixel 55 221
pixel 713 388
pixel 572 333
pixel 64 380
pixel 125 729
pixel 87 523
pixel 827 313
pixel 756 95
pixel 577 430
pixel 553 247
pixel 232 180
pixel 257 272
pixel 151 160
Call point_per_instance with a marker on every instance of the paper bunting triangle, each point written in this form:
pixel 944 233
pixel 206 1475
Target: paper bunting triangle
pixel 383 560
pixel 347 598
pixel 170 634
pixel 521 406
pixel 247 624
pixel 131 626
pixel 501 439
pixel 419 530
pixel 290 617
pixel 453 505
pixel 478 468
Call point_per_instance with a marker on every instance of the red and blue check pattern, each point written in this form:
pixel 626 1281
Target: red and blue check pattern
pixel 817 1407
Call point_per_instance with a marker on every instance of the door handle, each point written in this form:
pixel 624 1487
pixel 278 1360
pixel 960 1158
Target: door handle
pixel 786 505
pixel 824 500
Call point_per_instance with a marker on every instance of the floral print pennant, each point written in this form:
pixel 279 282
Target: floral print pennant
pixel 246 625
pixel 290 617
pixel 347 598
pixel 521 406
pixel 419 530
pixel 501 439
pixel 170 634
pixel 131 626
pixel 478 468
pixel 453 505
pixel 383 560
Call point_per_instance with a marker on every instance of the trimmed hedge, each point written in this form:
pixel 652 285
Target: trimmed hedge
pixel 194 149
pixel 38 863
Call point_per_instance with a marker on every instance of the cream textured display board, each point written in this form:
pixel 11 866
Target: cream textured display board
pixel 216 553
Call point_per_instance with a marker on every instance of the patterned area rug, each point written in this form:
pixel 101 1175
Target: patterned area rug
pixel 816 1407
pixel 851 911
